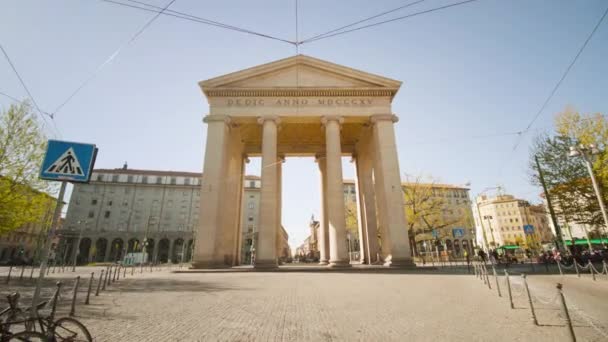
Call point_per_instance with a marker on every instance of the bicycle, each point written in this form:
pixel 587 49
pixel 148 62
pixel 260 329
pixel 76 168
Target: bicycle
pixel 63 329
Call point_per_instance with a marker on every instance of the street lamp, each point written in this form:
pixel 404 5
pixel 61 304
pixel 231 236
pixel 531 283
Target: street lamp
pixel 587 152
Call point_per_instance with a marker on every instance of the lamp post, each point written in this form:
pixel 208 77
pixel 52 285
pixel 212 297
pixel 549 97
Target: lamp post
pixel 587 152
pixel 77 249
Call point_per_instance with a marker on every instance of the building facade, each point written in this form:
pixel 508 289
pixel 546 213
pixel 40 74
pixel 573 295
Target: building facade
pixel 121 210
pixel 505 220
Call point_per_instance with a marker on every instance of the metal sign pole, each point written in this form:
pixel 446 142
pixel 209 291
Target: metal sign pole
pixel 47 246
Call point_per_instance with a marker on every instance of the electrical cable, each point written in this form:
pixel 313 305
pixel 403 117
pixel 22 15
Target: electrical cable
pixel 111 58
pixel 189 17
pixel 362 21
pixel 389 20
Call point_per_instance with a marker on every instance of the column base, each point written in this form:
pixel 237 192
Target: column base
pixel 265 264
pixel 208 264
pixel 400 263
pixel 323 262
pixel 339 264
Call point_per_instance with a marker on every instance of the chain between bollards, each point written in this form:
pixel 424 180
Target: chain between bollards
pixel 509 289
pixel 73 309
pixel 496 279
pixel 566 313
pixel 99 283
pixel 90 287
pixel 534 320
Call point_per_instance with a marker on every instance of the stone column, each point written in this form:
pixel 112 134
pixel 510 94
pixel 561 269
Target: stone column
pixel 212 188
pixel 171 247
pixel 338 253
pixel 154 256
pixel 266 243
pixel 106 254
pixel 395 242
pixel 279 242
pixel 323 234
pixel 240 206
pixel 367 197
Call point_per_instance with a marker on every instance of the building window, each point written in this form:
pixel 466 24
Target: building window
pixel 91 214
pixel 252 184
pixel 94 202
pixel 110 203
pixel 186 181
pixel 130 178
pixel 99 178
pixel 250 218
pixel 115 178
pixel 251 205
pixel 144 179
pixel 159 180
pixel 106 214
pixel 173 180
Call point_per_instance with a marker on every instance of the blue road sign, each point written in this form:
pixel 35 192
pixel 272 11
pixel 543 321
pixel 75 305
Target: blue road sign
pixel 528 229
pixel 68 161
pixel 458 232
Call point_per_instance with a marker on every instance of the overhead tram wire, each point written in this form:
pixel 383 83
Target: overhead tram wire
pixel 29 94
pixel 193 18
pixel 111 58
pixel 310 40
pixel 561 80
pixel 361 21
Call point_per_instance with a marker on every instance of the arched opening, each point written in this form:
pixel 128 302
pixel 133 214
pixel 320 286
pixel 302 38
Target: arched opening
pixel 189 249
pixel 465 246
pixel 84 250
pixel 163 251
pixel 4 254
pixel 149 250
pixel 178 251
pixel 100 249
pixel 457 247
pixel 116 249
pixel 133 246
pixel 448 245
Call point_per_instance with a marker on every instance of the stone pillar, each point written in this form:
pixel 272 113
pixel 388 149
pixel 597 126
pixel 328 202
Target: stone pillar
pixel 239 216
pixel 279 242
pixel 106 254
pixel 367 198
pixel 389 194
pixel 154 256
pixel 212 192
pixel 266 243
pixel 338 253
pixel 323 234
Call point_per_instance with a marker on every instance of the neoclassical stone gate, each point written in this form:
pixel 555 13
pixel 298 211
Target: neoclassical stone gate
pixel 301 106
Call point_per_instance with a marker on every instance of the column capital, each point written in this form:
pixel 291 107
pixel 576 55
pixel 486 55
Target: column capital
pixel 246 158
pixel 383 117
pixel 319 156
pixel 281 158
pixel 275 118
pixel 329 118
pixel 217 118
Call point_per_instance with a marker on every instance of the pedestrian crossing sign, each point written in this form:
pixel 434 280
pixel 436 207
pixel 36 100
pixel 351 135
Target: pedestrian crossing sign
pixel 68 161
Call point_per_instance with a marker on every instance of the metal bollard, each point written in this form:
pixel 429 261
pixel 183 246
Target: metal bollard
pixel 109 277
pixel 578 274
pixel 8 277
pixel 496 278
pixel 534 320
pixel 483 276
pixel 105 280
pixel 90 287
pixel 115 272
pixel 124 275
pixel 509 290
pixel 591 270
pixel 75 292
pixel 566 313
pixel 54 267
pixel 22 270
pixel 99 284
pixel 132 270
pixel 48 269
pixel 118 273
pixel 559 267
pixel 32 272
pixel 487 277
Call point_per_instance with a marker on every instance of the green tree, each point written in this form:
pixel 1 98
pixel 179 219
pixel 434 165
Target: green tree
pixel 22 145
pixel 567 178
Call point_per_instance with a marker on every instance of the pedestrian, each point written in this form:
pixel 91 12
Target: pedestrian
pixel 466 255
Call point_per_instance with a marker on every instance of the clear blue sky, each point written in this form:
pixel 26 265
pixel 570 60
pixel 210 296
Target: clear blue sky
pixel 483 68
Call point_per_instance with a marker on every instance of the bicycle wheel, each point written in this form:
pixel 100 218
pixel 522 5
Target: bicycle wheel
pixel 27 336
pixel 69 329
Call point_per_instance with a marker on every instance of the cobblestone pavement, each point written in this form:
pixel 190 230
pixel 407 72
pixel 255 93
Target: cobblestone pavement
pixel 328 306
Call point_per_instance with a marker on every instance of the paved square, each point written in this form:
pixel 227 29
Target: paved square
pixel 329 306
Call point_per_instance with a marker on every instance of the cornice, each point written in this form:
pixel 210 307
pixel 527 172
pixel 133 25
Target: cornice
pixel 317 92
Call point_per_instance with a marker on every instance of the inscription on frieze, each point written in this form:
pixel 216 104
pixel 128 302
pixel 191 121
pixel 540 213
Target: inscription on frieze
pixel 296 102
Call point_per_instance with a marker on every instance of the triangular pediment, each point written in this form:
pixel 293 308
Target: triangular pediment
pixel 299 72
